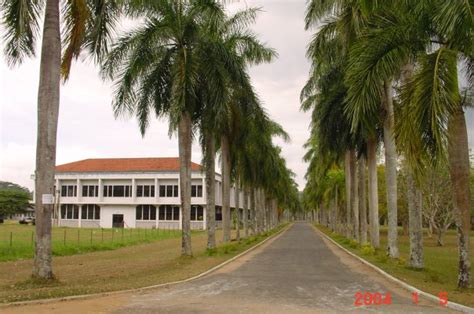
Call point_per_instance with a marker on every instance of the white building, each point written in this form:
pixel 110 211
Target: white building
pixel 130 193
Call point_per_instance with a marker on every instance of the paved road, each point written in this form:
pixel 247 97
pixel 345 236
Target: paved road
pixel 297 272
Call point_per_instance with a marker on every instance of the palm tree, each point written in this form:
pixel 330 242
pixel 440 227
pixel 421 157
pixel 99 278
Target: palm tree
pixel 431 126
pixel 86 25
pixel 159 67
pixel 233 47
pixel 255 159
pixel 342 24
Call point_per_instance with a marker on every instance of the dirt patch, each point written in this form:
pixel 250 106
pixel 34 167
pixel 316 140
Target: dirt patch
pixel 94 305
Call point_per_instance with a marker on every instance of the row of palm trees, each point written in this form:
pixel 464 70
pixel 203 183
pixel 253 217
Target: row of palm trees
pixel 387 72
pixel 187 61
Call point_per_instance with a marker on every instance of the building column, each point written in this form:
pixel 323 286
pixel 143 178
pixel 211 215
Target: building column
pixel 80 216
pixel 134 190
pixel 79 200
pixel 101 190
pixel 157 193
pixel 79 190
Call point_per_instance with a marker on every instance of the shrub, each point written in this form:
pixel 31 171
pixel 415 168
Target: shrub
pixel 367 249
pixel 353 244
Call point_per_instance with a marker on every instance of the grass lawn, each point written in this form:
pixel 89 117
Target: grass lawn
pixel 124 268
pixel 17 241
pixel 440 273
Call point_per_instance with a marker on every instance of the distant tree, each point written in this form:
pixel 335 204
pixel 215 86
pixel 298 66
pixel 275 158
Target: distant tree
pixel 5 185
pixel 438 207
pixel 13 201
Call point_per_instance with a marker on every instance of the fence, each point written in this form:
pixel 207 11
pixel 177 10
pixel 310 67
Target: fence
pixel 18 241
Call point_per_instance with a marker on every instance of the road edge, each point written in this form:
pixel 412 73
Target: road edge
pixel 111 293
pixel 410 288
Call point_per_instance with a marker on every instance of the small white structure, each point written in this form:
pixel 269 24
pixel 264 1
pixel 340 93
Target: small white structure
pixel 130 193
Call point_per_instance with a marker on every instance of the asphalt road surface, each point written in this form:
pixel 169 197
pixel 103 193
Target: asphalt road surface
pixel 296 272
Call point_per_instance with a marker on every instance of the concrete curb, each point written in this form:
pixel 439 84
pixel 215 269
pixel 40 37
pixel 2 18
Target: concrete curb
pixel 110 293
pixel 429 296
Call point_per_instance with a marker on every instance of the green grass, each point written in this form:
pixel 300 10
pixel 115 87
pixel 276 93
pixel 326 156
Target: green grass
pixel 125 268
pixel 17 241
pixel 440 272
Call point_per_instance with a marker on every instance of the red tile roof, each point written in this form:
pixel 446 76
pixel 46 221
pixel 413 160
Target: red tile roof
pixel 124 165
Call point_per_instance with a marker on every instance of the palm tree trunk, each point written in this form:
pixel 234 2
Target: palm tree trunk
pixel 414 222
pixel 185 142
pixel 269 214
pixel 354 196
pixel 373 196
pixel 362 200
pixel 260 211
pixel 265 213
pixel 245 216
pixel 225 150
pixel 237 210
pixel 390 170
pixel 336 200
pixel 48 111
pixel 459 173
pixel 347 172
pixel 210 164
pixel 252 211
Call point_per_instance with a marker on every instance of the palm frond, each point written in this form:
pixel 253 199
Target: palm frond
pixel 432 96
pixel 20 19
pixel 76 14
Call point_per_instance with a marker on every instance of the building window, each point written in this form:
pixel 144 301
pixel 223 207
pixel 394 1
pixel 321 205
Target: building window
pixel 168 190
pixel 146 212
pixel 90 212
pixel 145 191
pixel 69 190
pixel 117 190
pixel 196 190
pixel 168 212
pixel 69 211
pixel 197 213
pixel 90 190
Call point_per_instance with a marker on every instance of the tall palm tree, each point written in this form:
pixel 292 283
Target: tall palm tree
pixel 86 24
pixel 433 35
pixel 342 23
pixel 242 48
pixel 158 67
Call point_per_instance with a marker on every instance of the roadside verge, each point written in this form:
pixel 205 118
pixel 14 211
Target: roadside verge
pixel 280 230
pixel 410 288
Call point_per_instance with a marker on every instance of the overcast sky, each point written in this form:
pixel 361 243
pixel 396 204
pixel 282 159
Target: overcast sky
pixel 88 129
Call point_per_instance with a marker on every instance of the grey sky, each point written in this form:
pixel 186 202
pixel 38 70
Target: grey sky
pixel 87 128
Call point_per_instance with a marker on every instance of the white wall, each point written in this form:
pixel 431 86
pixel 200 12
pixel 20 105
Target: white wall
pixel 128 212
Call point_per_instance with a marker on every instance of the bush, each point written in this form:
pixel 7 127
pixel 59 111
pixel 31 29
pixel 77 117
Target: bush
pixel 353 244
pixel 367 249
